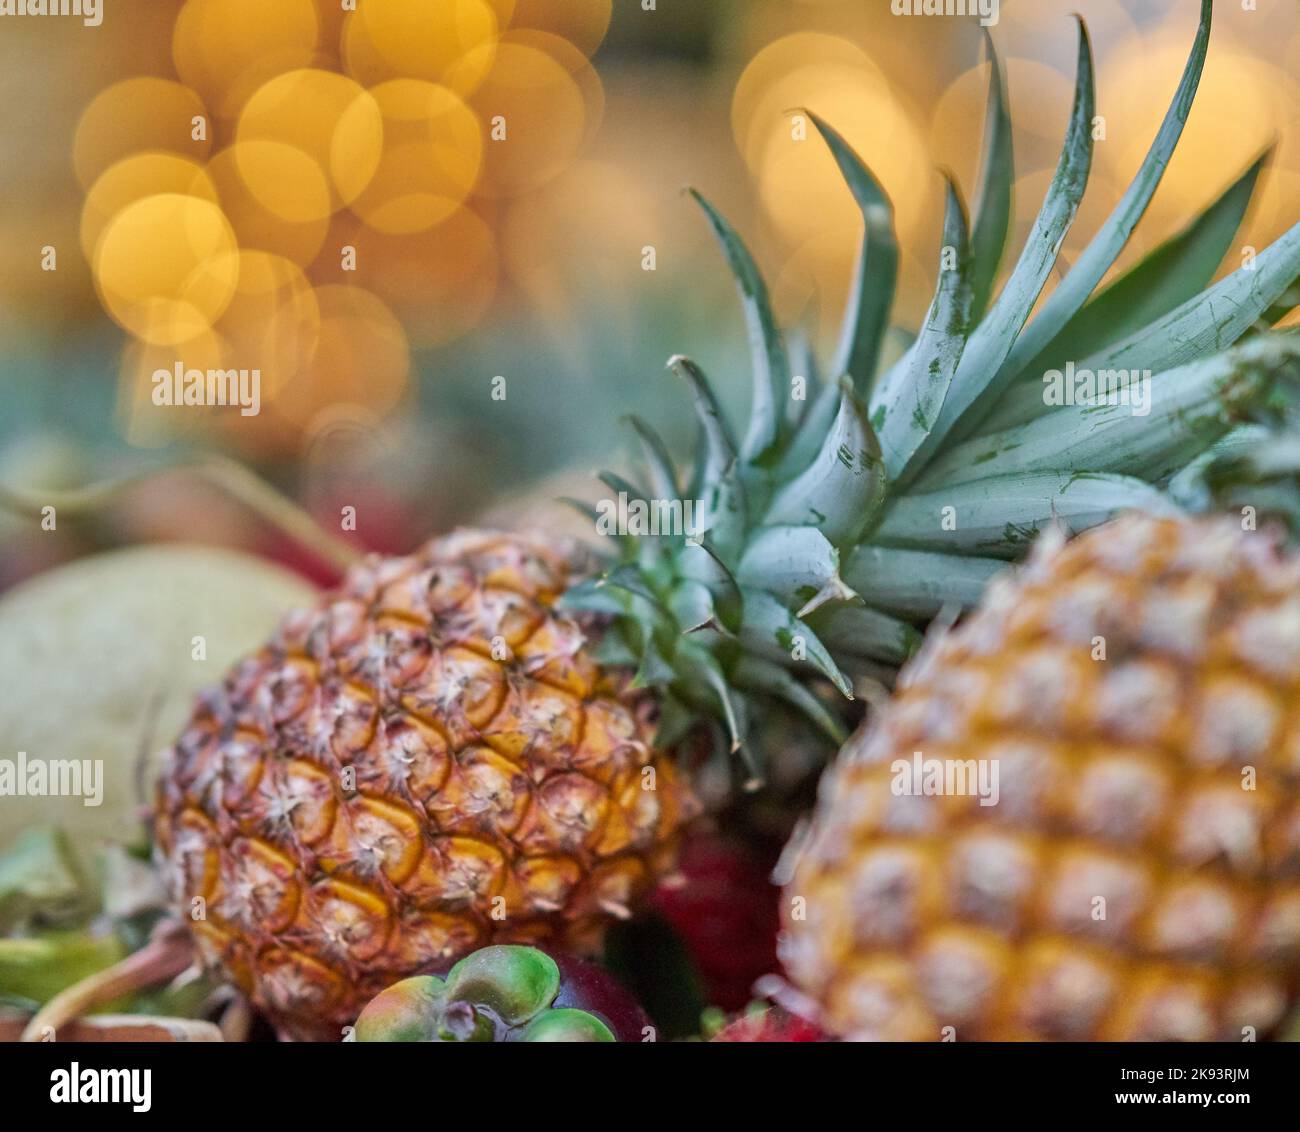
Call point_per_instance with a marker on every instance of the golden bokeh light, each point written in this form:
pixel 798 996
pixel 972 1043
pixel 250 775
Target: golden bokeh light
pixel 306 143
pixel 284 180
pixel 765 94
pixel 226 49
pixel 133 179
pixel 135 116
pixel 439 282
pixel 432 154
pixel 536 102
pixel 449 42
pixel 327 116
pixel 361 358
pixel 573 61
pixel 591 203
pixel 166 266
pixel 255 225
pixel 272 322
pixel 583 23
pixel 1045 31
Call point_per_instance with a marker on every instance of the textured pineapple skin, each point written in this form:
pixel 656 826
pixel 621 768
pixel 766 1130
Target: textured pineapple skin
pixel 1119 778
pixel 427 762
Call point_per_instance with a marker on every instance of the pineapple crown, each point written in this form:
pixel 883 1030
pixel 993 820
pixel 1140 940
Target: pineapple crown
pixel 827 535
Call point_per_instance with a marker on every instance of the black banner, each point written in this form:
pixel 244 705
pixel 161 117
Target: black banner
pixel 683 1080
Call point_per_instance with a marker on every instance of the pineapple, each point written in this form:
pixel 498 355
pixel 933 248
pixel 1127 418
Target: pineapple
pixel 471 744
pixel 428 762
pixel 1133 701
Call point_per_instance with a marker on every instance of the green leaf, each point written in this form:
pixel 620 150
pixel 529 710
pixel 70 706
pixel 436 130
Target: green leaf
pixel 1103 249
pixel 755 674
pixel 659 465
pixel 1212 320
pixel 918 583
pixel 993 210
pixel 700 563
pixel 591 596
pixel 1191 488
pixel 1189 408
pixel 676 721
pixel 41 880
pixel 979 380
pixel 632 581
pixel 866 632
pixel 998 517
pixel 841 489
pixel 872 293
pixel 654 670
pixel 911 395
pixel 770 362
pixel 698 670
pixel 796 564
pixel 36 968
pixel 803 363
pixel 811 433
pixel 722 506
pixel 1175 272
pixel 770 630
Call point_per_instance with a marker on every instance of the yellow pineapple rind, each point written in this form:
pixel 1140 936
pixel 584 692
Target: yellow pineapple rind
pixel 1123 778
pixel 427 762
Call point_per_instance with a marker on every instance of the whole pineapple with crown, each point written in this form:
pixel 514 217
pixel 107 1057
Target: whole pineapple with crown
pixel 470 744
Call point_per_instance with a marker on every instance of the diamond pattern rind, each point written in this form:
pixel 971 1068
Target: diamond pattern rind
pixel 427 762
pixel 1120 778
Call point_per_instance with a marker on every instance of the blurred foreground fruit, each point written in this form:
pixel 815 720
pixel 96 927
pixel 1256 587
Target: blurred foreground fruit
pixel 99 657
pixel 506 993
pixel 769 1024
pixel 1080 818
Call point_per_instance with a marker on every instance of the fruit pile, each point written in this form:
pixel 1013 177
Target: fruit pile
pixel 1078 816
pixel 317 194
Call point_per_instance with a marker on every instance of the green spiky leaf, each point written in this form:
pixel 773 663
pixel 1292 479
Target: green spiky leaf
pixel 872 293
pixel 1104 248
pixel 770 364
pixel 993 211
pixel 839 491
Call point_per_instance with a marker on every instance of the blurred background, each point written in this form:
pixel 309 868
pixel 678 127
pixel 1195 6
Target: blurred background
pixel 385 210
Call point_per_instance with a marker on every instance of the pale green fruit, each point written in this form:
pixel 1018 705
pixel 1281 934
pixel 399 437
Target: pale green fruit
pixel 97 662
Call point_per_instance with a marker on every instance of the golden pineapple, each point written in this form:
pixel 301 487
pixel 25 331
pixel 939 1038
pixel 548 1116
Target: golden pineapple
pixel 1138 692
pixel 427 762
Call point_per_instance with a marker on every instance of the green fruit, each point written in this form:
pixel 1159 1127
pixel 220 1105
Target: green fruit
pixel 568 1026
pixel 503 993
pixel 403 1013
pixel 96 663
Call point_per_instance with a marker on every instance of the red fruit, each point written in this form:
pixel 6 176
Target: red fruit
pixel 770 1025
pixel 724 908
